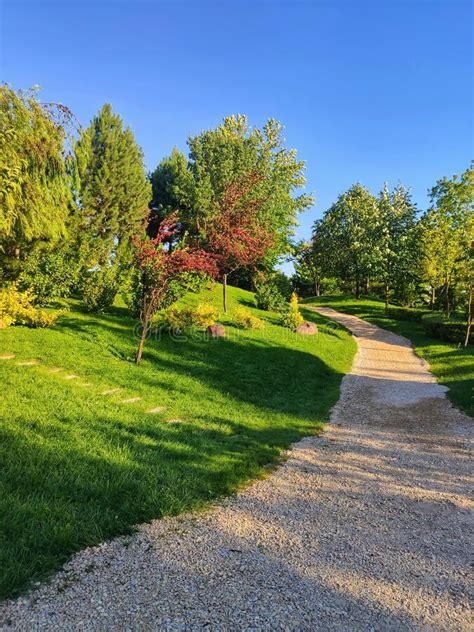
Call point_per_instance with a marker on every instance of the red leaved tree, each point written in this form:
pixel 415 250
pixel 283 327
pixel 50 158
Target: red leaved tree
pixel 236 235
pixel 161 269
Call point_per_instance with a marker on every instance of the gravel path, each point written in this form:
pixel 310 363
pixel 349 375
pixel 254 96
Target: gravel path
pixel 364 528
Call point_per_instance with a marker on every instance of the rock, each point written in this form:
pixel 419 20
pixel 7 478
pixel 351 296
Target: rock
pixel 307 328
pixel 216 331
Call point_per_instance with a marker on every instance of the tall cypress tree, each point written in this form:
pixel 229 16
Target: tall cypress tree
pixel 110 186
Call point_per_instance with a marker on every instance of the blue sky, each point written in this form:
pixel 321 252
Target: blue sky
pixel 368 91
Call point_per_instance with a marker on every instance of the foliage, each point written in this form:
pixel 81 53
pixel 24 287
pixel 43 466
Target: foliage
pixel 246 320
pixel 292 318
pixel 100 288
pixel 34 187
pixel 178 319
pixel 103 467
pixel 346 238
pixel 235 235
pixel 447 234
pixel 111 190
pixel 272 291
pixel 451 329
pixel 224 156
pixel 17 308
pixel 172 189
pixel 406 313
pixel 309 265
pixel 398 244
pixel 162 270
pixel 51 274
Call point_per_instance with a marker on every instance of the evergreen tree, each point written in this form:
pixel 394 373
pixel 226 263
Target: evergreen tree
pixel 110 186
pixel 172 189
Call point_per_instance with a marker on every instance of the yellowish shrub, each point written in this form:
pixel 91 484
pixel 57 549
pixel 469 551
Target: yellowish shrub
pixel 245 319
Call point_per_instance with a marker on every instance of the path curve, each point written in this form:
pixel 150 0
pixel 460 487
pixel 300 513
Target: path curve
pixel 364 528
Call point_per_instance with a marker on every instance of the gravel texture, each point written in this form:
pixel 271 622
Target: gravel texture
pixel 364 528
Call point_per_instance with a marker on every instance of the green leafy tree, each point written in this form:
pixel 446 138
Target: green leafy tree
pixel 225 155
pixel 397 243
pixel 111 189
pixel 447 230
pixel 34 186
pixel 347 237
pixel 309 265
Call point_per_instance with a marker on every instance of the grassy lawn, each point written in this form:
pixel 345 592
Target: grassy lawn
pixel 453 365
pixel 79 467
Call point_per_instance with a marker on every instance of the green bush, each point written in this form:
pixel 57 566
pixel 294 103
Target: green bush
pixel 17 308
pixel 272 292
pixel 413 314
pixel 100 288
pixel 50 275
pixel 451 330
pixel 245 319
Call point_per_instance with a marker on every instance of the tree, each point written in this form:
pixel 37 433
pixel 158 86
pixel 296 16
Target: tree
pixel 161 271
pixel 396 238
pixel 447 230
pixel 347 237
pixel 110 187
pixel 309 264
pixel 34 186
pixel 236 235
pixel 172 189
pixel 225 155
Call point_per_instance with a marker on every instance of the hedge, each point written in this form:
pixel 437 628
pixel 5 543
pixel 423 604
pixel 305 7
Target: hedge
pixel 407 313
pixel 452 330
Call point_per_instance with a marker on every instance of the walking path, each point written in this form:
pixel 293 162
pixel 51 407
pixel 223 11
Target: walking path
pixel 364 528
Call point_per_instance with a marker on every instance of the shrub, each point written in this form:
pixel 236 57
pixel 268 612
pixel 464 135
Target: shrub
pixel 16 308
pixel 292 318
pixel 451 330
pixel 50 275
pixel 100 288
pixel 179 319
pixel 245 319
pixel 407 313
pixel 272 292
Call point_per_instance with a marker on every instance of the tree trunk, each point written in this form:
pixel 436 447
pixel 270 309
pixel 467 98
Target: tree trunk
pixel 141 344
pixel 433 297
pixel 224 292
pixel 357 288
pixel 386 297
pixel 317 288
pixel 447 308
pixel 366 286
pixel 469 315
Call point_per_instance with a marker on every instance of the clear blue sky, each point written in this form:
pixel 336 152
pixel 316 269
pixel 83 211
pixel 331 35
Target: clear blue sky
pixel 367 90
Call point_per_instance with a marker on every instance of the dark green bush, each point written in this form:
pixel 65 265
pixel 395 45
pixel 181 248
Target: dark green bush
pixel 413 314
pixel 50 275
pixel 272 291
pixel 451 330
pixel 100 288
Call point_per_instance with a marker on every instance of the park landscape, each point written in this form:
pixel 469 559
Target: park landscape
pixel 195 435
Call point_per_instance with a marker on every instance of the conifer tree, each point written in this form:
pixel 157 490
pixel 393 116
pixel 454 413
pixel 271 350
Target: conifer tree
pixel 110 186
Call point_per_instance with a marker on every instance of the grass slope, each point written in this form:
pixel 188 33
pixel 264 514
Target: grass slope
pixel 79 467
pixel 452 365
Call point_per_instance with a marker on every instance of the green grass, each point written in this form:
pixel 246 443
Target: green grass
pixel 453 365
pixel 78 467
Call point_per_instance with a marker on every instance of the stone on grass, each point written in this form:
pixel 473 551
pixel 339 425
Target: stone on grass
pixel 216 331
pixel 307 328
pixel 157 409
pixel 28 363
pixel 131 400
pixel 7 356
